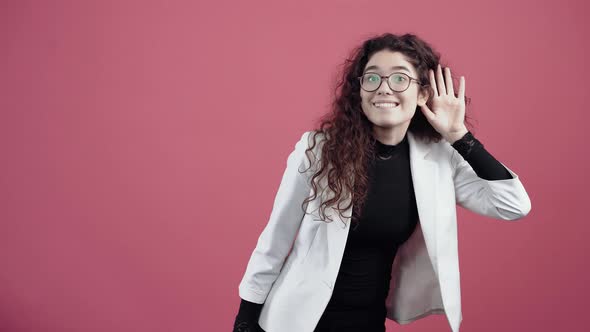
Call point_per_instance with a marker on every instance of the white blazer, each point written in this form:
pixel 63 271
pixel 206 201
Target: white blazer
pixel 294 266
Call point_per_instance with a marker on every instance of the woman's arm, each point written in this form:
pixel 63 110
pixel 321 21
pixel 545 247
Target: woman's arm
pixel 493 194
pixel 482 162
pixel 275 241
pixel 504 198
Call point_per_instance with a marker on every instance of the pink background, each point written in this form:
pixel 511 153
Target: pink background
pixel 142 144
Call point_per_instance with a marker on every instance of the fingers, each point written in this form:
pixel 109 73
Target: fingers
pixel 462 88
pixel 444 86
pixel 433 82
pixel 440 81
pixel 449 82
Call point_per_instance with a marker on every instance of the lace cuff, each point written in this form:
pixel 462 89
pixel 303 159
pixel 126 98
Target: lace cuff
pixel 247 317
pixel 466 145
pixel 246 326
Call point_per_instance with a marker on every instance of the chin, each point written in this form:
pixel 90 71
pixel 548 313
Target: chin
pixel 389 125
pixel 390 120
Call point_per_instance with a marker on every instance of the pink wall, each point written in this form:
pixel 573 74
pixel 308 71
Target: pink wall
pixel 142 143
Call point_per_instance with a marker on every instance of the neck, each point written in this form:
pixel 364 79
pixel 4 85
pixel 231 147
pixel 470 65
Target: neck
pixel 390 135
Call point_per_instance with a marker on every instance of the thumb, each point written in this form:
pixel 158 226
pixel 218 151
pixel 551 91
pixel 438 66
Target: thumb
pixel 430 116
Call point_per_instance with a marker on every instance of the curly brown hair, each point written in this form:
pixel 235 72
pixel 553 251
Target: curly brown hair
pixel 346 133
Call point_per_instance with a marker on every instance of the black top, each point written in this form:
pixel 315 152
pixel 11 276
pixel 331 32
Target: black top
pixel 387 220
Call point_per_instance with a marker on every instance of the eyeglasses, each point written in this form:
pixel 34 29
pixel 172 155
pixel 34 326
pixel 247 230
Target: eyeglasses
pixel 398 82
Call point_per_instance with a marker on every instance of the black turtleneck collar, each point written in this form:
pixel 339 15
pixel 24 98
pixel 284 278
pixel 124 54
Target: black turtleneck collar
pixel 386 150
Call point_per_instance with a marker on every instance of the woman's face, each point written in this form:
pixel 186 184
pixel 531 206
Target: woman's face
pixel 387 116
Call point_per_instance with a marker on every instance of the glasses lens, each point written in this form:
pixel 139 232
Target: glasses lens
pixel 399 82
pixel 371 82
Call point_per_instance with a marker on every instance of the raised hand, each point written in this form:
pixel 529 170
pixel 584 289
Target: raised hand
pixel 448 111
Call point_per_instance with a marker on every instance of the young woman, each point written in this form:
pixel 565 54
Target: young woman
pixel 363 226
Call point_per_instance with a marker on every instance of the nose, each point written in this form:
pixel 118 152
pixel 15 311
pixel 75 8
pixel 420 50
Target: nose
pixel 384 88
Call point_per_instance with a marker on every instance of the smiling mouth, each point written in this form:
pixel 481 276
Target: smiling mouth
pixel 385 105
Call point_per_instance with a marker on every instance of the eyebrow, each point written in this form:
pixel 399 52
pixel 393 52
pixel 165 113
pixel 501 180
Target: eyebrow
pixel 392 68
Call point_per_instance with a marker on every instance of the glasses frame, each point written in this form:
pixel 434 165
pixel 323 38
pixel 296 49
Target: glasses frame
pixel 412 79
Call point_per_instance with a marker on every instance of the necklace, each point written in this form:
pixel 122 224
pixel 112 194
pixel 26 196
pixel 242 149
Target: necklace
pixel 385 152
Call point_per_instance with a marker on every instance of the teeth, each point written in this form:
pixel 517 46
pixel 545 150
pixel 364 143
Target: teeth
pixel 385 105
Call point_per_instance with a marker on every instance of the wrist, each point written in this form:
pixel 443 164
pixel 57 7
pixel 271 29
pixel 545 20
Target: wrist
pixel 454 136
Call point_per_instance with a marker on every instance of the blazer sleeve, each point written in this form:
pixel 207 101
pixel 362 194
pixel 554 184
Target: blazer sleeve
pixel 499 199
pixel 275 241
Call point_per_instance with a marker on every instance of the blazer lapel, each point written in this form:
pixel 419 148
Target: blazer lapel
pixel 424 174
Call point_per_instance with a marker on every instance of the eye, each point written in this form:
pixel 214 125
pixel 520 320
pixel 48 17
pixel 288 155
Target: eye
pixel 372 78
pixel 398 78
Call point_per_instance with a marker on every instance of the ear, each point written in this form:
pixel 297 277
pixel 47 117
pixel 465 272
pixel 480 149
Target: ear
pixel 423 96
